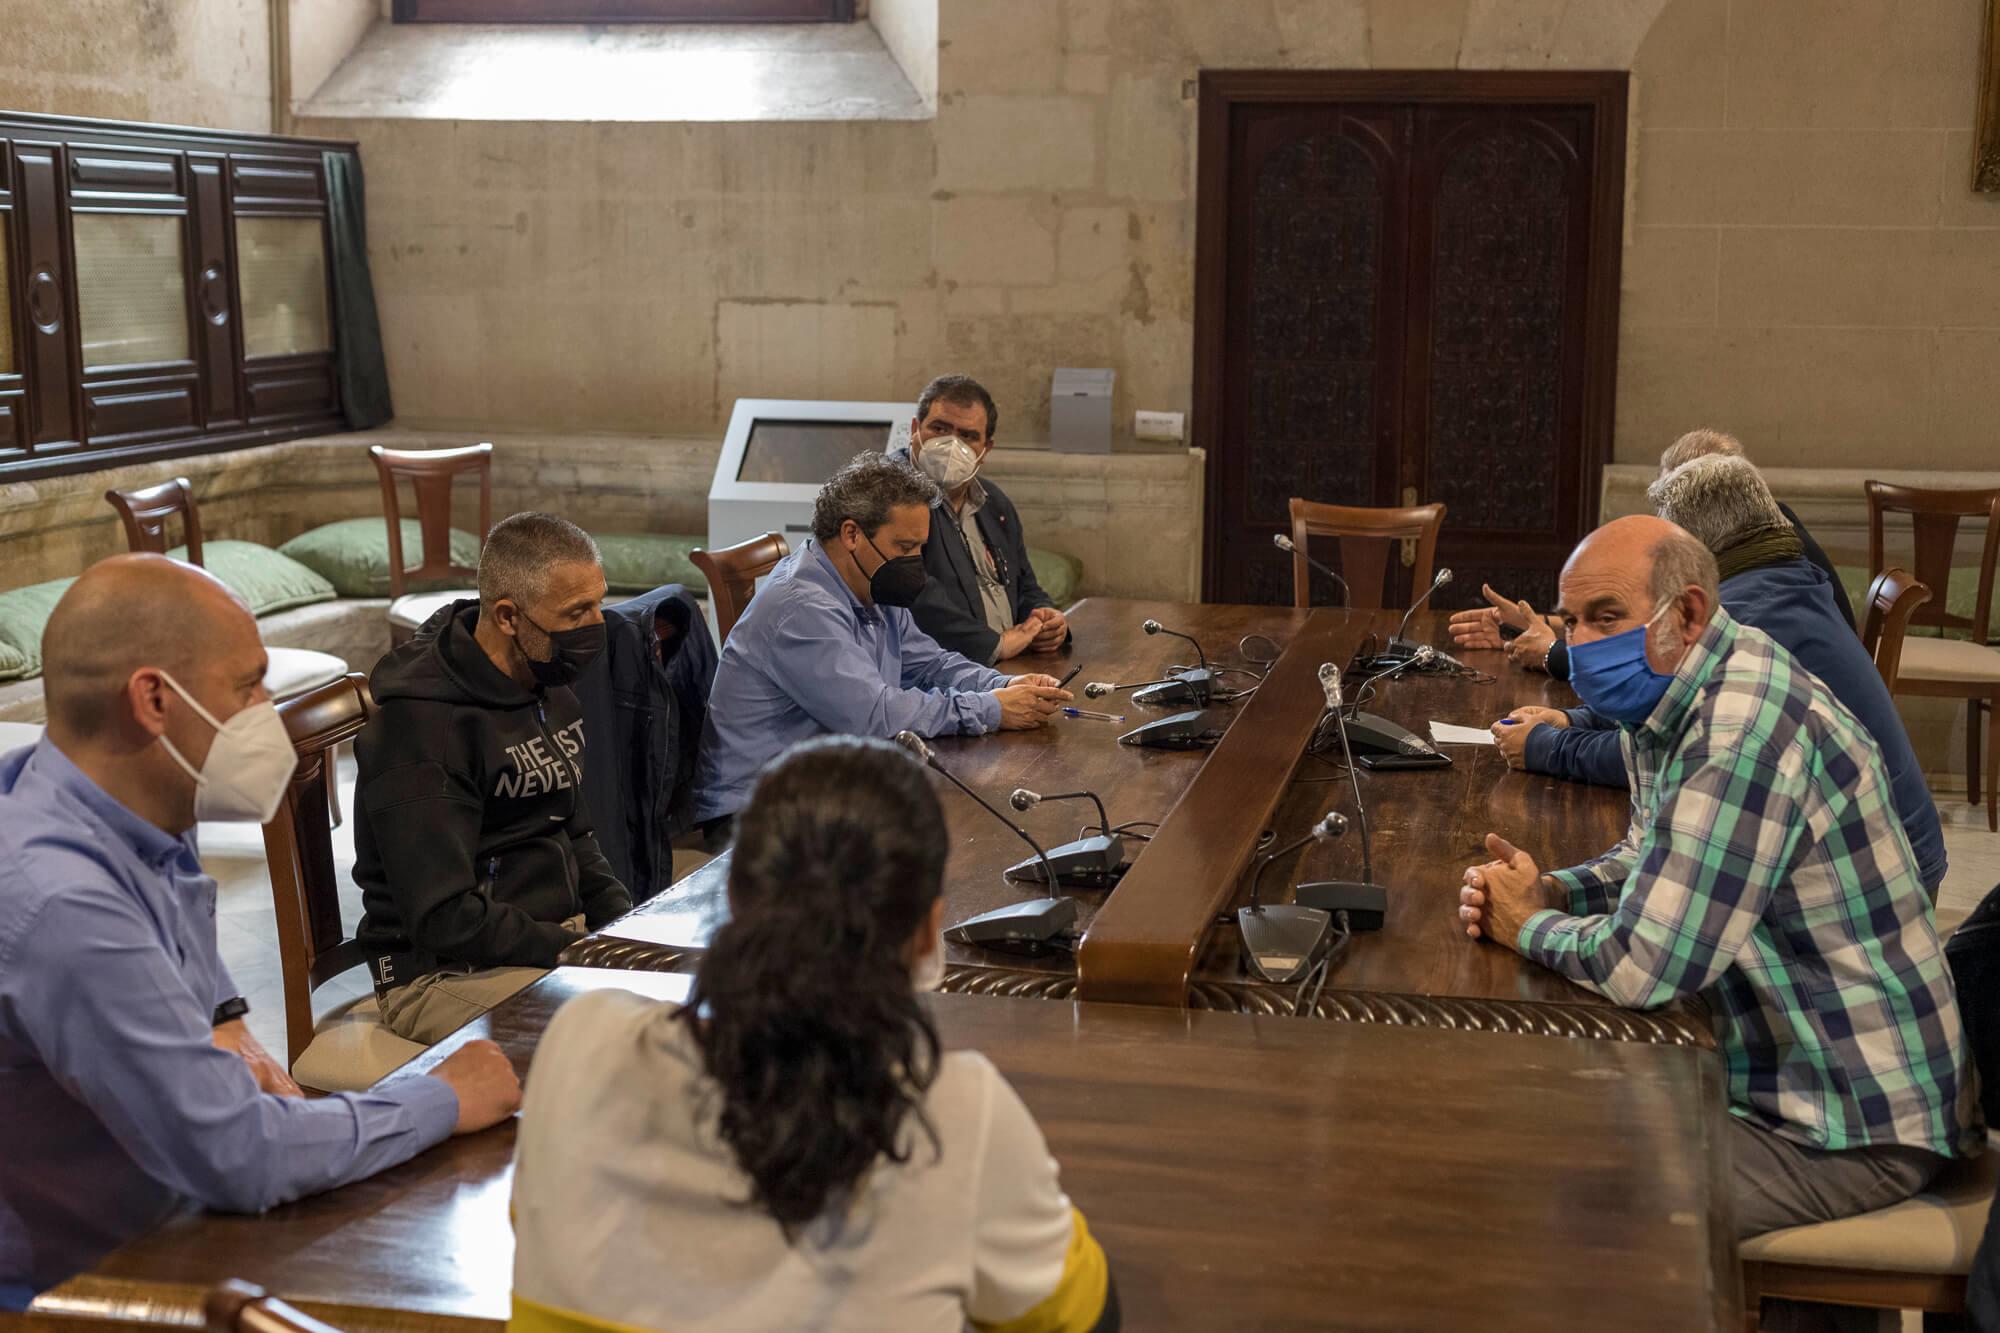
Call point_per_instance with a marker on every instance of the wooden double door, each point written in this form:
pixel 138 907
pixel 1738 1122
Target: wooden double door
pixel 1407 292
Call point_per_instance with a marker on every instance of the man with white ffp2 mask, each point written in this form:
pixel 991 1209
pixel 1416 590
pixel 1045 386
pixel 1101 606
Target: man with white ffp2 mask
pixel 981 598
pixel 124 1091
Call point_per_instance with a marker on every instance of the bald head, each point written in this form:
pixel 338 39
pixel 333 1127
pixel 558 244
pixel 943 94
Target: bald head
pixel 1623 573
pixel 133 612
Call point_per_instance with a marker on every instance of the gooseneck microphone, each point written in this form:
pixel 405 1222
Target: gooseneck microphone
pixel 1181 687
pixel 1284 543
pixel 1355 904
pixel 1282 943
pixel 1371 740
pixel 1093 862
pixel 1401 645
pixel 1035 927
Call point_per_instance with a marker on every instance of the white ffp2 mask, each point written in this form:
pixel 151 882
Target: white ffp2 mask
pixel 948 461
pixel 248 765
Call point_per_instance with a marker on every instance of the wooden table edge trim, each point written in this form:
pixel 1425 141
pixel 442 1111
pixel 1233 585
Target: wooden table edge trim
pixel 180 1304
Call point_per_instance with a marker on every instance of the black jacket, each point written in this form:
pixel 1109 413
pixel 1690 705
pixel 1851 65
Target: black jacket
pixel 645 701
pixel 472 840
pixel 951 609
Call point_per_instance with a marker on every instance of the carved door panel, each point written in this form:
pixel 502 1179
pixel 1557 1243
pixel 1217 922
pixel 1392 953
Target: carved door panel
pixel 1314 349
pixel 1418 303
pixel 1492 421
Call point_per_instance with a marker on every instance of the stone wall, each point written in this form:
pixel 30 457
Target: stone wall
pixel 181 62
pixel 1804 260
pixel 1807 265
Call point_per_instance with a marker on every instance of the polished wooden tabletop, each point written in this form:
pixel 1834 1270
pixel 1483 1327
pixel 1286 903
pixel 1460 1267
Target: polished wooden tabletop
pixel 1164 935
pixel 1241 1172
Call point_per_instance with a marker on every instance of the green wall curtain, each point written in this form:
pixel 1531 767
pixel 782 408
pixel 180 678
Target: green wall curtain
pixel 364 375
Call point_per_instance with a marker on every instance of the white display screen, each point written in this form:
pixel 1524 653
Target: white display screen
pixel 806 452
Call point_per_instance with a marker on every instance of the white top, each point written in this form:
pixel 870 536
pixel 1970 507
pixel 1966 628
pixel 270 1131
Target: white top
pixel 629 1207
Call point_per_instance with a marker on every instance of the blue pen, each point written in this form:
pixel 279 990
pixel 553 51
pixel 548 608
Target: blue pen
pixel 1094 717
pixel 1509 722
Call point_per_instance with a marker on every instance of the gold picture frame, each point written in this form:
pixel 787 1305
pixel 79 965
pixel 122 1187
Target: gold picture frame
pixel 1986 129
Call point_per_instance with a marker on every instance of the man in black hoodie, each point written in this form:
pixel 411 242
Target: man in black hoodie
pixel 473 843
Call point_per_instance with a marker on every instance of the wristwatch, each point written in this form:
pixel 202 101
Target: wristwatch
pixel 229 1011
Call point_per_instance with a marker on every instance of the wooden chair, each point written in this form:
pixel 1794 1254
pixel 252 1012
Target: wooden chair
pixel 431 474
pixel 1367 537
pixel 1893 598
pixel 146 509
pixel 1950 668
pixel 349 1049
pixel 1912 1255
pixel 732 575
pixel 239 1307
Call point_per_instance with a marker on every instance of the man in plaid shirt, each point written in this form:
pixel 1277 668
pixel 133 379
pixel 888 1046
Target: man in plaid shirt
pixel 1765 869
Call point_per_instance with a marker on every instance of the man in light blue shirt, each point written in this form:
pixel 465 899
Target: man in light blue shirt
pixel 828 645
pixel 118 1101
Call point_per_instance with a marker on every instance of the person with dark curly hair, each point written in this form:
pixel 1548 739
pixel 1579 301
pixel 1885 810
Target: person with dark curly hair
pixel 791 1149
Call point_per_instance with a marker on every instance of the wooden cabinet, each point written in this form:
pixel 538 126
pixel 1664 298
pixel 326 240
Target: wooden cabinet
pixel 124 300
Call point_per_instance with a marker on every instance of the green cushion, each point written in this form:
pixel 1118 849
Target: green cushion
pixel 353 556
pixel 1962 593
pixel 643 561
pixel 1058 574
pixel 23 613
pixel 263 578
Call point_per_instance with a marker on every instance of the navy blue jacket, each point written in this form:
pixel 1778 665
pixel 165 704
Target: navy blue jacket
pixel 1793 603
pixel 645 700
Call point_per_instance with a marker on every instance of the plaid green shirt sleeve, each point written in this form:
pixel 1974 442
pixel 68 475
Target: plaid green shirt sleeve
pixel 1697 883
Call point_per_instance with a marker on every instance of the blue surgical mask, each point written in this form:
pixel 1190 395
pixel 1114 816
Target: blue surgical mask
pixel 1613 676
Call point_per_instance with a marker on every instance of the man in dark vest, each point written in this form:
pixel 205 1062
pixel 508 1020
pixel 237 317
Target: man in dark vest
pixel 981 598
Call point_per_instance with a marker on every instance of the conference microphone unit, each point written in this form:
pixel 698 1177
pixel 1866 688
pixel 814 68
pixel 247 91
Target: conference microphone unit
pixel 1375 742
pixel 1182 731
pixel 1033 928
pixel 1400 649
pixel 1284 543
pixel 1095 862
pixel 1181 687
pixel 1283 942
pixel 1358 904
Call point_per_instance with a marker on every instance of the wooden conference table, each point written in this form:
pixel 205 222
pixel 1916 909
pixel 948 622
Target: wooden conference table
pixel 1242 1172
pixel 1154 938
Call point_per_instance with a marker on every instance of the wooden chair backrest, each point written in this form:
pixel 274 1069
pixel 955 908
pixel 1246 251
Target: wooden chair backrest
pixel 298 843
pixel 238 1307
pixel 732 575
pixel 1934 518
pixel 1367 538
pixel 431 473
pixel 1893 598
pixel 146 509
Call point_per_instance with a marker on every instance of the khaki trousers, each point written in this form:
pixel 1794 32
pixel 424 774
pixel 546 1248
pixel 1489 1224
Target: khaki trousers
pixel 433 1007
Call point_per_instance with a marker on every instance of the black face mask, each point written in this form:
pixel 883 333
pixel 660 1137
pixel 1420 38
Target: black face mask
pixel 571 651
pixel 897 582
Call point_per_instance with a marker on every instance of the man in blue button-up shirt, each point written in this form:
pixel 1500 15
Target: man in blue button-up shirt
pixel 116 1104
pixel 828 645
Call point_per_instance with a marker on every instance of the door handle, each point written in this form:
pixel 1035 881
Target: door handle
pixel 1409 543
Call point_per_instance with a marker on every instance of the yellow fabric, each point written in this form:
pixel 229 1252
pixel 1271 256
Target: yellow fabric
pixel 534 1317
pixel 1074 1306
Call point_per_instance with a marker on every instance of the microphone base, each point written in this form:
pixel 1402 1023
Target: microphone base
pixel 1282 943
pixel 1375 742
pixel 1182 731
pixel 1366 905
pixel 1033 929
pixel 1088 863
pixel 1185 689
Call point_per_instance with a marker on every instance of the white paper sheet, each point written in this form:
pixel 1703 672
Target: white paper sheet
pixel 1444 733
